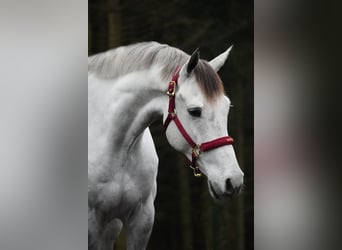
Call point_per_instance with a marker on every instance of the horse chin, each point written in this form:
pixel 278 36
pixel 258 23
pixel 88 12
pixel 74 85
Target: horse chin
pixel 214 194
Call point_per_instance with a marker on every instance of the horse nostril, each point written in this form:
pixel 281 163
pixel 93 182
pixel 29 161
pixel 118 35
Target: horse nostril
pixel 230 189
pixel 229 186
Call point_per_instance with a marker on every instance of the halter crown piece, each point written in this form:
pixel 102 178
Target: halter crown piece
pixel 197 149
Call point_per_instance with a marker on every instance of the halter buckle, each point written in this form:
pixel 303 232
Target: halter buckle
pixel 196 150
pixel 172 89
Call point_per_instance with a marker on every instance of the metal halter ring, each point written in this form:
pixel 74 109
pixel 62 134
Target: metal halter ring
pixel 173 113
pixel 197 150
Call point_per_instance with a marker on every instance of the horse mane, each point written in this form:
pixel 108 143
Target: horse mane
pixel 141 56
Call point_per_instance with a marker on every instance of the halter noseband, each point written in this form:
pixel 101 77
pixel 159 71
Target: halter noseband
pixel 197 149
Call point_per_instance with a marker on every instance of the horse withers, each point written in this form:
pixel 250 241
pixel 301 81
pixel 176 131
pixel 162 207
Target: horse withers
pixel 128 88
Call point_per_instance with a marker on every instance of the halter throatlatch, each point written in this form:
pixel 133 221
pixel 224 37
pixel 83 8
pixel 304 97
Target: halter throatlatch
pixel 197 149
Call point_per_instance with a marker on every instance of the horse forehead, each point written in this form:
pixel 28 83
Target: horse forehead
pixel 191 90
pixel 191 85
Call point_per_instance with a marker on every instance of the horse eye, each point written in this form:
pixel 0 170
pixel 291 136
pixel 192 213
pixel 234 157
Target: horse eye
pixel 196 112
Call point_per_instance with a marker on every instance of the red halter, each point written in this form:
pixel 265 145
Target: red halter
pixel 197 149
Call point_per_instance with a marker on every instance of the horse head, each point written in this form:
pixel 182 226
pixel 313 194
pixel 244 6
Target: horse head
pixel 199 128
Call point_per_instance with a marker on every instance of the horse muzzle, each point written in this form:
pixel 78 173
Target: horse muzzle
pixel 232 187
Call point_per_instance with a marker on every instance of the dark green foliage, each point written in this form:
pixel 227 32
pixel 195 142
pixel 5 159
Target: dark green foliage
pixel 186 216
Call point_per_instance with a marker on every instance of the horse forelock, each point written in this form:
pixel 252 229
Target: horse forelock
pixel 208 80
pixel 142 56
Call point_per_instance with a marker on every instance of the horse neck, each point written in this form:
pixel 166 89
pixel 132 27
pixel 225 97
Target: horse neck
pixel 121 111
pixel 143 102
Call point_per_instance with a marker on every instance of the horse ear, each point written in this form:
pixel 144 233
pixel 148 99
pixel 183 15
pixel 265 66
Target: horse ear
pixel 218 61
pixel 193 61
pixel 191 64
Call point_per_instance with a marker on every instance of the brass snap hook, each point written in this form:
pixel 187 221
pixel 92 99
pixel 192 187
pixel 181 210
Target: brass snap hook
pixel 197 172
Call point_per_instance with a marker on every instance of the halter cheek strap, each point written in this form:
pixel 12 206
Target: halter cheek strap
pixel 197 149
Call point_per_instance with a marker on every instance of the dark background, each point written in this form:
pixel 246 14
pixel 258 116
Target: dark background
pixel 186 216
